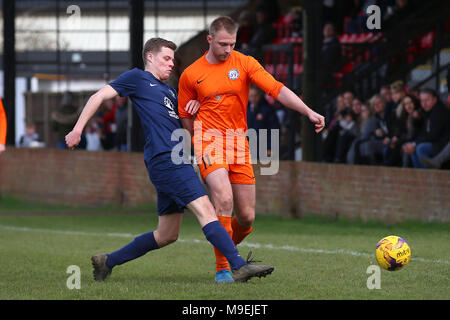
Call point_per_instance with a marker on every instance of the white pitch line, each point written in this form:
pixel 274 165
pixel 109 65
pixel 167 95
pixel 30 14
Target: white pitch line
pixel 246 244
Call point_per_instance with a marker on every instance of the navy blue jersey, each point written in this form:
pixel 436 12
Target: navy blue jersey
pixel 156 104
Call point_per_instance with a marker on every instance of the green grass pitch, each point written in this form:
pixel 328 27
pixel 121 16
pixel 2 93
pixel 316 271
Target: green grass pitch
pixel 313 258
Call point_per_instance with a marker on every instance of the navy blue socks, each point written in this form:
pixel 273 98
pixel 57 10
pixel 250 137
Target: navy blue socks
pixel 138 247
pixel 219 238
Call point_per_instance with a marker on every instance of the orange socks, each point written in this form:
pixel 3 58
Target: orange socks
pixel 221 261
pixel 237 232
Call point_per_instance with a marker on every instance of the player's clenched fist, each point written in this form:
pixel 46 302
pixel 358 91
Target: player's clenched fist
pixel 318 120
pixel 73 138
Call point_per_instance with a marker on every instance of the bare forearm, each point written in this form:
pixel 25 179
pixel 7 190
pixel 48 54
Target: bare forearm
pixel 290 100
pixel 92 106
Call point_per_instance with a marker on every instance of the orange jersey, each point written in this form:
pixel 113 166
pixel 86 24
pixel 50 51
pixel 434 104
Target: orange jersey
pixel 3 124
pixel 222 90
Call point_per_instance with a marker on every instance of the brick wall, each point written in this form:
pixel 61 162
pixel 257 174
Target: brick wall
pixel 299 188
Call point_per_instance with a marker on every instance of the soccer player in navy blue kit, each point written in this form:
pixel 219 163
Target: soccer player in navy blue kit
pixel 177 185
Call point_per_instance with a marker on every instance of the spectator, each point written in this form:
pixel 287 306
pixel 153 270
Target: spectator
pixel 121 117
pixel 331 54
pixel 386 92
pixel 366 127
pixel 434 133
pixel 260 115
pixel 245 31
pixel 348 132
pixel 408 122
pixel 64 119
pixel 31 138
pixel 93 135
pixel 348 99
pixel 371 150
pixel 398 93
pixel 263 34
pixel 356 109
pixel 108 124
pixel 331 133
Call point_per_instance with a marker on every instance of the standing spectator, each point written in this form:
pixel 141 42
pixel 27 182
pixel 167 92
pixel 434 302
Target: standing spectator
pixel 331 54
pixel 64 118
pixel 245 31
pixel 108 123
pixel 3 127
pixel 348 99
pixel 30 138
pixel 260 115
pixel 434 133
pixel 121 117
pixel 93 136
pixel 263 33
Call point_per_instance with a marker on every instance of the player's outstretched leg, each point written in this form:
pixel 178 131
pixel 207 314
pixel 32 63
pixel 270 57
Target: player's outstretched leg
pixel 216 234
pixel 165 234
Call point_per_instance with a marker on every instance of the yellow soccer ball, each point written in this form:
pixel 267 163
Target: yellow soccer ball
pixel 392 253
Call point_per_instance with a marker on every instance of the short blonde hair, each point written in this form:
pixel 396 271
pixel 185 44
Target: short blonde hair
pixel 223 23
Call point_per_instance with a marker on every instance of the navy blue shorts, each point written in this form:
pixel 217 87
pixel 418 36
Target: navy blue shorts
pixel 176 184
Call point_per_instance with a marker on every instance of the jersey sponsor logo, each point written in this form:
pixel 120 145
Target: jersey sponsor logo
pixel 233 74
pixel 199 81
pixel 153 84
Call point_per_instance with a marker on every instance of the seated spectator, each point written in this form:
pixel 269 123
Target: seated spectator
pixel 348 132
pixel 331 132
pixel 366 126
pixel 386 92
pixel 348 98
pixel 260 115
pixel 434 133
pixel 408 122
pixel 371 149
pixel 398 93
pixel 356 109
pixel 31 138
pixel 331 54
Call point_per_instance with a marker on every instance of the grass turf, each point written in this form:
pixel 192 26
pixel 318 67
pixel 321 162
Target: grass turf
pixel 314 258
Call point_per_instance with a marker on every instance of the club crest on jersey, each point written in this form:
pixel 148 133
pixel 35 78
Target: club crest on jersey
pixel 233 74
pixel 169 105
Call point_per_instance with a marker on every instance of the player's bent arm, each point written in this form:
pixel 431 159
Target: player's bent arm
pixel 92 105
pixel 290 100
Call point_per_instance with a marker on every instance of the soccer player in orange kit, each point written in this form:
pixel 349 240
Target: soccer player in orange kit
pixel 220 80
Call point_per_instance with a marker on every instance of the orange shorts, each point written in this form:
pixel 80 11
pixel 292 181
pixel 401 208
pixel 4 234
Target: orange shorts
pixel 238 165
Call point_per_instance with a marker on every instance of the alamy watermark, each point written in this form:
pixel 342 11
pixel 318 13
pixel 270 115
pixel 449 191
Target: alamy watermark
pixel 74 280
pixel 232 147
pixel 374 280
